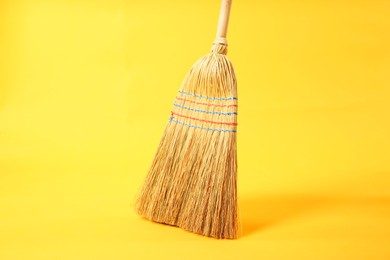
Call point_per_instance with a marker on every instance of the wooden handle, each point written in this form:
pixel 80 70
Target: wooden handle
pixel 223 22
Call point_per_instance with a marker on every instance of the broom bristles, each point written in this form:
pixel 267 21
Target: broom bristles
pixel 192 182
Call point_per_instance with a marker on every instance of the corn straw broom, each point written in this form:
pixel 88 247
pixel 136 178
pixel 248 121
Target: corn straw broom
pixel 192 182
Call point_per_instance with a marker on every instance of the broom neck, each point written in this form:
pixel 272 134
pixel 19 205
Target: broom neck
pixel 223 22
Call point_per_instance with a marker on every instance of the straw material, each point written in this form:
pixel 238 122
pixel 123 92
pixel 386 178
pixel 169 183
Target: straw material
pixel 192 182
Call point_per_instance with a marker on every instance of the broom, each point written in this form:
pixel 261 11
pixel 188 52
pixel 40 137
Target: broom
pixel 192 180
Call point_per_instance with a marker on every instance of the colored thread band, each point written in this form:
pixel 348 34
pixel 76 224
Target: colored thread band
pixel 200 127
pixel 202 120
pixel 205 111
pixel 207 104
pixel 200 96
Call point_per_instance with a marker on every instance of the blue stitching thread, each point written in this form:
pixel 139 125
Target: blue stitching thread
pixel 205 111
pixel 199 127
pixel 200 96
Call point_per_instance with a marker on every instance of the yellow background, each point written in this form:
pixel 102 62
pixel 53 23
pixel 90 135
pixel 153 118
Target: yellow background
pixel 86 88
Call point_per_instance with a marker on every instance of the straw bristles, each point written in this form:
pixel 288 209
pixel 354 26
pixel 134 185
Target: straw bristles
pixel 192 182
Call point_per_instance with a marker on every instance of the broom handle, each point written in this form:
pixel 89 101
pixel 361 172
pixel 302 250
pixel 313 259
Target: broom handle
pixel 223 22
